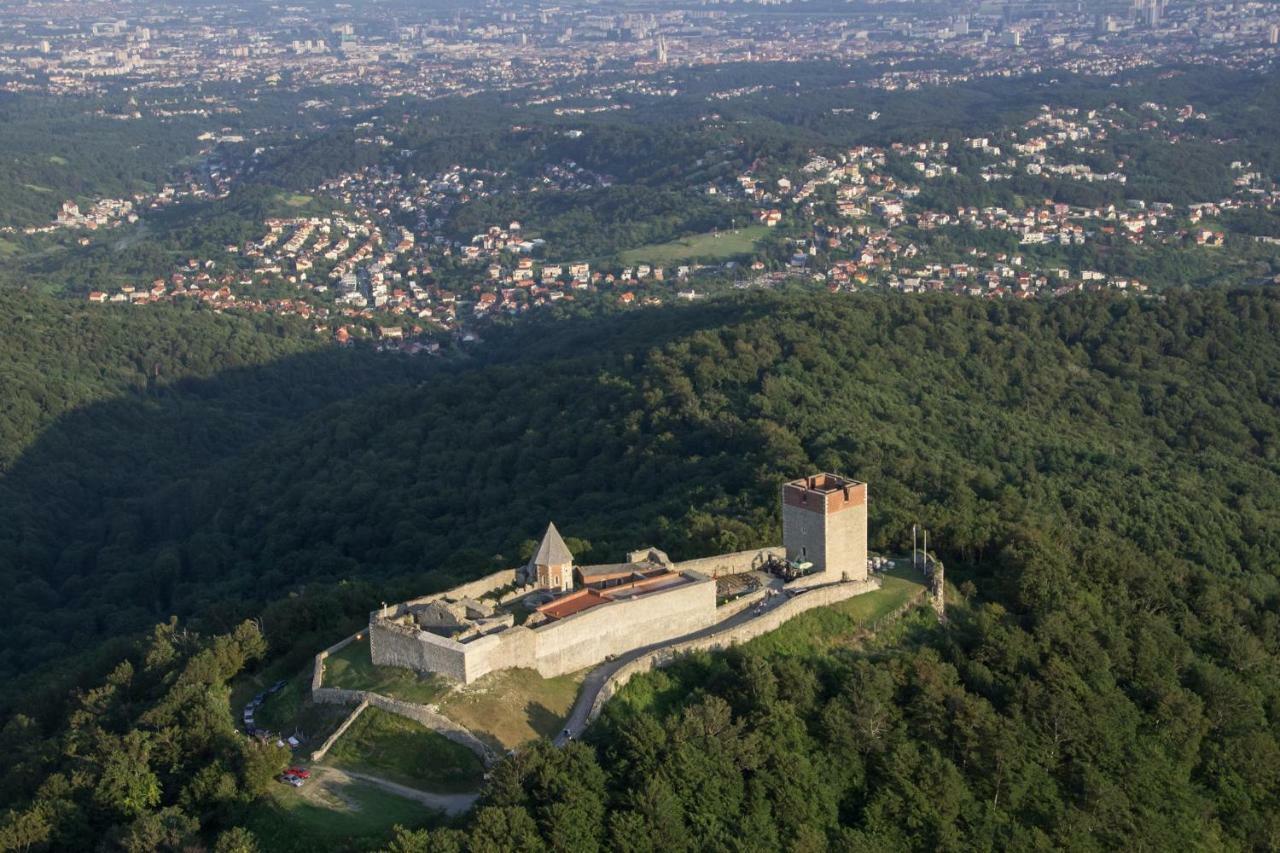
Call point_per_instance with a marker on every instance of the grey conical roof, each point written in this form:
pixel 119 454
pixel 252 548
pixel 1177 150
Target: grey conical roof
pixel 552 551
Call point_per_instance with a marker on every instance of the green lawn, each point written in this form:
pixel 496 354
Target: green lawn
pixel 514 706
pixel 353 669
pixel 359 816
pixel 288 205
pixel 842 623
pixel 720 246
pixel 407 752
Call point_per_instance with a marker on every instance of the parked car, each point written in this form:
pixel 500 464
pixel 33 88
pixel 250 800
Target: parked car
pixel 299 772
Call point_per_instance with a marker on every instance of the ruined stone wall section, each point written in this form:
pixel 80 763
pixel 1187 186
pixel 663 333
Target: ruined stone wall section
pixel 337 696
pixel 391 644
pixel 587 638
pixel 339 732
pixel 731 564
pixel 317 671
pixel 770 621
pixel 424 714
pixel 435 721
pixel 474 589
pixel 486 584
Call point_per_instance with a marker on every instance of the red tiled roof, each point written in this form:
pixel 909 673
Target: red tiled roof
pixel 573 603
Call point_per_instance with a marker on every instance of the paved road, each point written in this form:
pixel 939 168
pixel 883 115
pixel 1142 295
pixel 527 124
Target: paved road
pixel 595 680
pixel 449 803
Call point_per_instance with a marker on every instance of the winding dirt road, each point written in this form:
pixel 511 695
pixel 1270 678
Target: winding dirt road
pixel 452 804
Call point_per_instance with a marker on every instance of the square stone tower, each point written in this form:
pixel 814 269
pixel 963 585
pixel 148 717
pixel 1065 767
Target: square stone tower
pixel 824 522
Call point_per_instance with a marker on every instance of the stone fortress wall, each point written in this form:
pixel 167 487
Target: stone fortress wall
pixel 824 521
pixel 589 637
pixel 363 699
pixel 392 644
pixel 555 648
pixel 731 564
pixel 569 644
pixel 741 633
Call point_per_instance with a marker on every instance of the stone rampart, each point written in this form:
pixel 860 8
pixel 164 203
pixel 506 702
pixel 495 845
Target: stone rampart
pixel 568 644
pixel 589 637
pixel 748 630
pixel 514 647
pixel 483 586
pixel 731 564
pixel 392 644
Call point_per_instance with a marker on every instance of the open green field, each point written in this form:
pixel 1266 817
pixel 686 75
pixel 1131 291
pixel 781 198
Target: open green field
pixel 844 622
pixel 514 706
pixel 316 816
pixel 719 246
pixel 287 204
pixel 407 752
pixel 353 669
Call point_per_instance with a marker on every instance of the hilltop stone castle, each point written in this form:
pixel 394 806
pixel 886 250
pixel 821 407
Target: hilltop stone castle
pixel 555 616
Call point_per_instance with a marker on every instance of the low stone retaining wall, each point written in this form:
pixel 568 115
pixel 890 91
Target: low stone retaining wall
pixel 817 597
pixel 733 608
pixel 333 738
pixel 423 714
pixel 731 564
pixel 435 721
pixel 317 672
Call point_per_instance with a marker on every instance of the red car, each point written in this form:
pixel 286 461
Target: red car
pixel 299 772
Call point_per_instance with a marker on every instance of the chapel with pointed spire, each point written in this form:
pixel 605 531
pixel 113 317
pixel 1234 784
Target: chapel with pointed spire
pixel 551 566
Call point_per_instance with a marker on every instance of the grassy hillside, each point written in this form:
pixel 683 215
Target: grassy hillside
pixel 406 752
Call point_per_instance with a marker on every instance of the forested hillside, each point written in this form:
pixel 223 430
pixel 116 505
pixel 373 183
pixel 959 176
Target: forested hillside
pixel 1100 475
pixel 109 410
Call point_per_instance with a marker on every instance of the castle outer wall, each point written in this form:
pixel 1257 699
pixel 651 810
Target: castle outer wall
pixel 556 648
pixel 589 637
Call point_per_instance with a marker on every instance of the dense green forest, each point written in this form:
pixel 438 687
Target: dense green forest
pixel 1099 473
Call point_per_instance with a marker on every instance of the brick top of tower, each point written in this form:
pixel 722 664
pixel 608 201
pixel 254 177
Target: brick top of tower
pixel 826 493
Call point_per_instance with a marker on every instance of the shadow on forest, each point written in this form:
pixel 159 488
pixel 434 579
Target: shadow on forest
pixel 171 500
